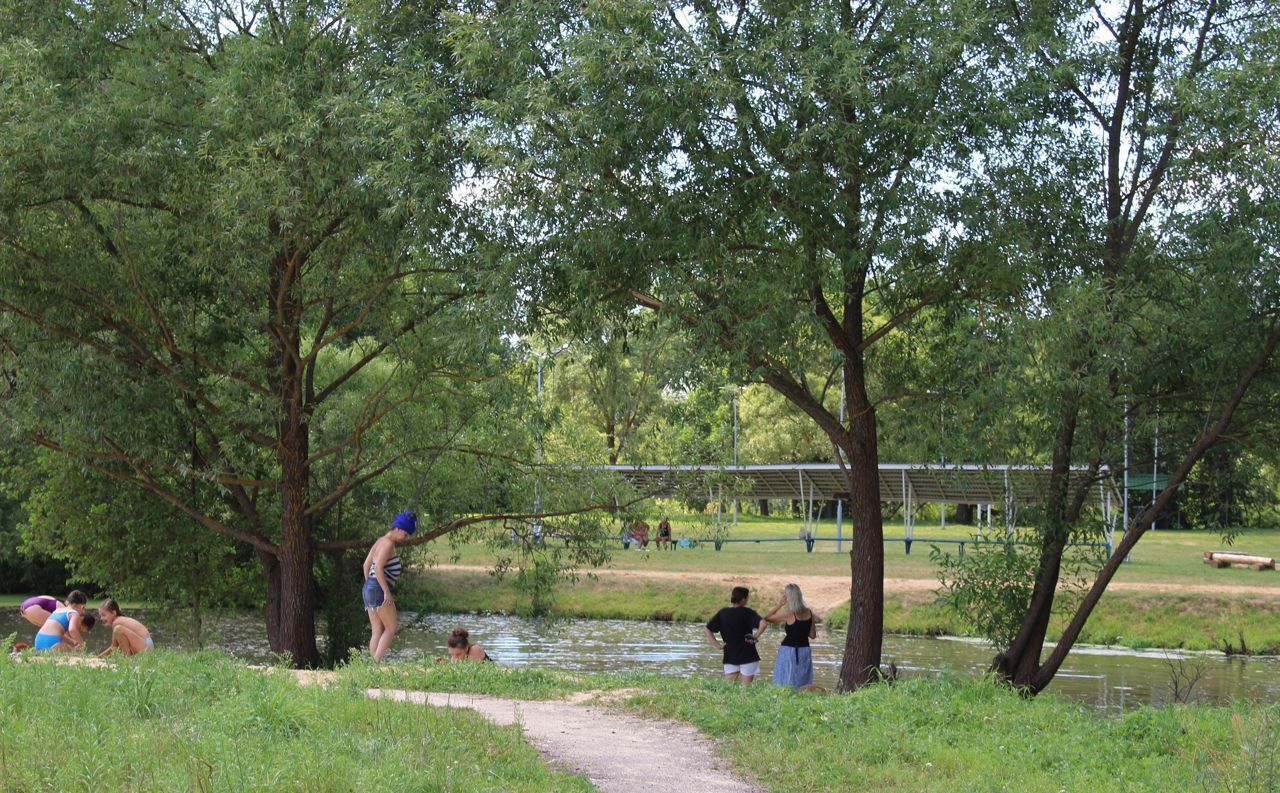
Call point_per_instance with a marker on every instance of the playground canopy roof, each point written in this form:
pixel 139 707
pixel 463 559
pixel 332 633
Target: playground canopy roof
pixel 938 483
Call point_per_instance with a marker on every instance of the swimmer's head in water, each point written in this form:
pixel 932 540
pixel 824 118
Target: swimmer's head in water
pixel 406 522
pixel 459 644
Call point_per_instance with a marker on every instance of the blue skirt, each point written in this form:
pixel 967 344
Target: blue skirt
pixel 794 667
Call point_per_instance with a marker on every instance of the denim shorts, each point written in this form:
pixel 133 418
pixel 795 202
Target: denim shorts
pixel 373 596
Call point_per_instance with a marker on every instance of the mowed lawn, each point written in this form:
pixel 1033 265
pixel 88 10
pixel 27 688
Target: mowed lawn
pixel 1162 557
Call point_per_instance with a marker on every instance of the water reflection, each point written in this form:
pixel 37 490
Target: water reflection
pixel 1105 678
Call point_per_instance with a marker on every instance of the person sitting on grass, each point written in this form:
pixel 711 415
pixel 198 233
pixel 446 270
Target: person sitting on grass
pixel 128 636
pixel 61 632
pixel 739 627
pixel 461 648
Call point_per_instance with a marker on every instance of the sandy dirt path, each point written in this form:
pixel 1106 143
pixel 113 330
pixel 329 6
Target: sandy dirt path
pixel 825 592
pixel 617 752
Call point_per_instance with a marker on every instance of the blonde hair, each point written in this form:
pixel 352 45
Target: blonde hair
pixel 795 601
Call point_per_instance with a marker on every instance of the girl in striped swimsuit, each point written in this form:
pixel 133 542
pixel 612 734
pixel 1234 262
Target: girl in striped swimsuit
pixel 381 569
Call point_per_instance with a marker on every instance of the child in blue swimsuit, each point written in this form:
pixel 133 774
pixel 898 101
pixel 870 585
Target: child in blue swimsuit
pixel 61 631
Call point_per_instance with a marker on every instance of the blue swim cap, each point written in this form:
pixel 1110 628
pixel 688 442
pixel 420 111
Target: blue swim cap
pixel 406 522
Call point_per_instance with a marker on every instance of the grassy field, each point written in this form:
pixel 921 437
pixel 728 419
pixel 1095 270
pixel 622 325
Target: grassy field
pixel 1156 602
pixel 1166 557
pixel 173 721
pixel 468 592
pixel 925 734
pixel 200 722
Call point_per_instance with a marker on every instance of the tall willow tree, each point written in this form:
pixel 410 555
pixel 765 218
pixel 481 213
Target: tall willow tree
pixel 775 177
pixel 1140 196
pixel 234 259
pixel 614 383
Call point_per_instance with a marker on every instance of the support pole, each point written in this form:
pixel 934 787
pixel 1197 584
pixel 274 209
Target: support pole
pixel 1155 465
pixel 840 460
pixel 1108 515
pixel 908 518
pixel 1008 508
pixel 1125 506
pixel 808 536
pixel 839 523
pixel 735 453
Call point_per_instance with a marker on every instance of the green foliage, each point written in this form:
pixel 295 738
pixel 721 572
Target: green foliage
pixel 614 382
pixel 1230 488
pixel 990 584
pixel 139 549
pixel 252 284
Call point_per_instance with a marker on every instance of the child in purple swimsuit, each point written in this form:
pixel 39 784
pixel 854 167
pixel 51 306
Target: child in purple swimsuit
pixel 37 609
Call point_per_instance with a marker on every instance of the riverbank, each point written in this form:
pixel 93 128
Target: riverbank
pixel 203 722
pixel 923 734
pixel 1150 617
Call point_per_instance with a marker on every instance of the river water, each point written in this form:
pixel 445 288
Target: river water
pixel 1106 678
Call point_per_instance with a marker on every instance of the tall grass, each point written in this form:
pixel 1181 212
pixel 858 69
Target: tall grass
pixel 199 722
pixel 922 734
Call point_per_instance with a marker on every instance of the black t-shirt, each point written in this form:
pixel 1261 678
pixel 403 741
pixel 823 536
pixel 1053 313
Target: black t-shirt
pixel 734 624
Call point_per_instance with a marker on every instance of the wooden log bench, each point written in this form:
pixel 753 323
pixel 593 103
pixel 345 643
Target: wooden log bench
pixel 1229 559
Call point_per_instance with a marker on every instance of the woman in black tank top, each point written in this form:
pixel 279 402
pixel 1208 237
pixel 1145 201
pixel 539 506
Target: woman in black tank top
pixel 794 666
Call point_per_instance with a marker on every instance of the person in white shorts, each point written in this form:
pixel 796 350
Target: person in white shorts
pixel 739 627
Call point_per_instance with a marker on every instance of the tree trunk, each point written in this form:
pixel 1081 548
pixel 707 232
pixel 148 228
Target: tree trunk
pixel 964 514
pixel 1206 441
pixel 271 614
pixel 764 507
pixel 611 441
pixel 861 664
pixel 1021 660
pixel 294 606
pixel 297 570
